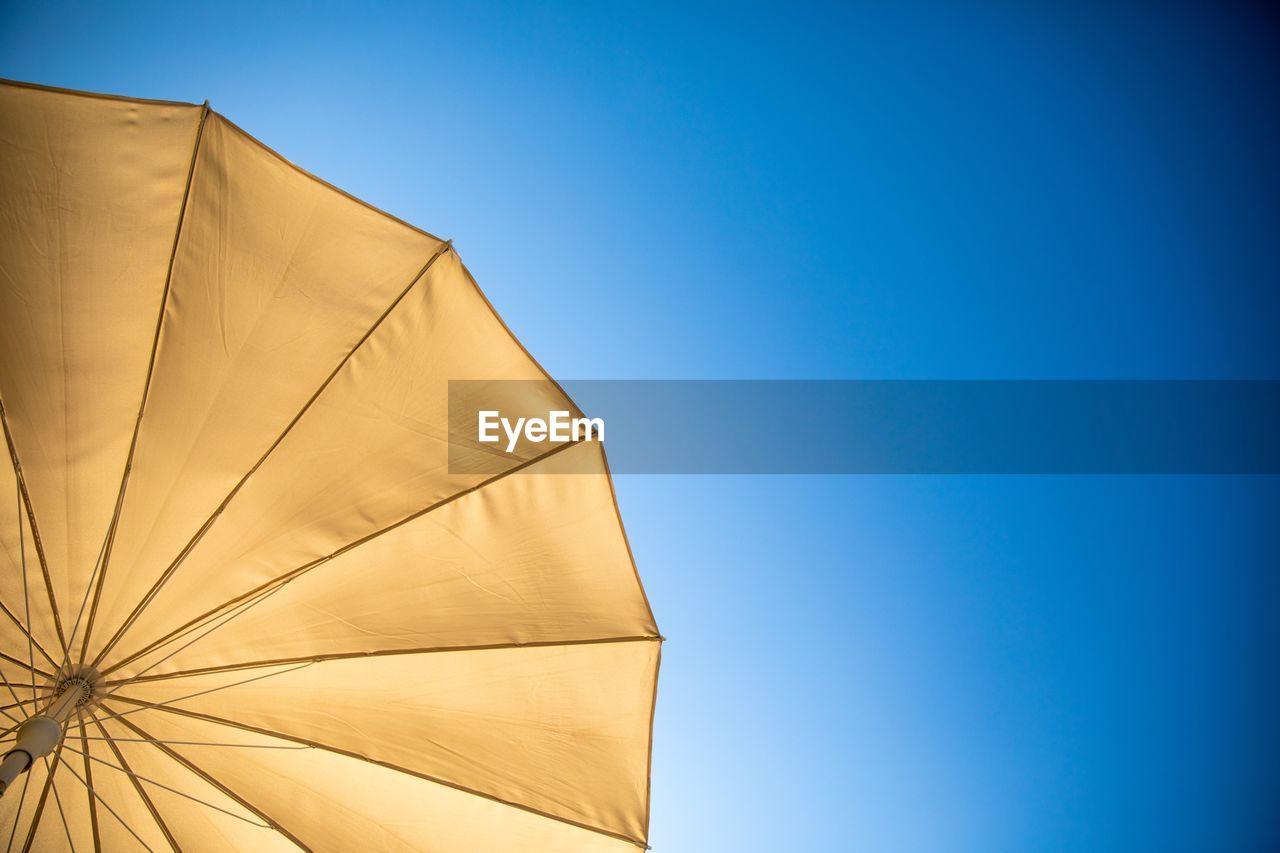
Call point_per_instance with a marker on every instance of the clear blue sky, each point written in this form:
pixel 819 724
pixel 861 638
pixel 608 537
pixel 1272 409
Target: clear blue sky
pixel 898 190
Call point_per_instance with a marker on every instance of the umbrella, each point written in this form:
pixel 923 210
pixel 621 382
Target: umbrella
pixel 249 600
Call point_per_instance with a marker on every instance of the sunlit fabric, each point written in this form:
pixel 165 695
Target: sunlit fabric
pixel 227 496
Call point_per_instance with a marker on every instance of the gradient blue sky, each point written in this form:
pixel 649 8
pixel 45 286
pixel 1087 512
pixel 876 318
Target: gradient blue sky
pixel 900 190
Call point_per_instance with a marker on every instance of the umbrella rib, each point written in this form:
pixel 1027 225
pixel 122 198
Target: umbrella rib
pixel 137 785
pixel 190 628
pixel 25 500
pixel 75 627
pixel 302 665
pixel 17 815
pixel 208 523
pixel 250 605
pixel 26 594
pixel 88 773
pixel 146 391
pixel 23 664
pixel 190 742
pixel 186 762
pixel 186 673
pixel 44 796
pixel 16 701
pixel 107 806
pixel 280 580
pixel 209 718
pixel 30 637
pixel 57 801
pixel 18 704
pixel 137 779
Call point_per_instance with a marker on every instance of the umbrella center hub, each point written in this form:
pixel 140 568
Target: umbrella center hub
pixel 40 734
pixel 76 688
pixel 79 685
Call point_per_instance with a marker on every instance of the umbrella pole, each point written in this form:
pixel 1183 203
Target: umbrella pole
pixel 40 735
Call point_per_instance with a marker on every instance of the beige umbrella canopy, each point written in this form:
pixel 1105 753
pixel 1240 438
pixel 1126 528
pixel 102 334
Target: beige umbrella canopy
pixel 240 576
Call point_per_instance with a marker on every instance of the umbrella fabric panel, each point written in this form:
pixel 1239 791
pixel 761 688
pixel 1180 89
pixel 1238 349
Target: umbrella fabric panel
pixel 370 452
pixel 563 730
pixel 90 194
pixel 534 557
pixel 277 278
pixel 332 802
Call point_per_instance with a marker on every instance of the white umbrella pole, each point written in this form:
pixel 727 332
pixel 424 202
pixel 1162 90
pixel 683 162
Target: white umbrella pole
pixel 39 735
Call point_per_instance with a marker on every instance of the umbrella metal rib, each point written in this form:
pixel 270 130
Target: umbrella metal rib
pixel 57 801
pixel 40 695
pixel 44 796
pixel 16 701
pixel 229 618
pixel 75 628
pixel 98 797
pixel 26 596
pixel 136 781
pixel 139 777
pixel 26 509
pixel 192 742
pixel 303 665
pixel 26 783
pixel 190 765
pixel 23 628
